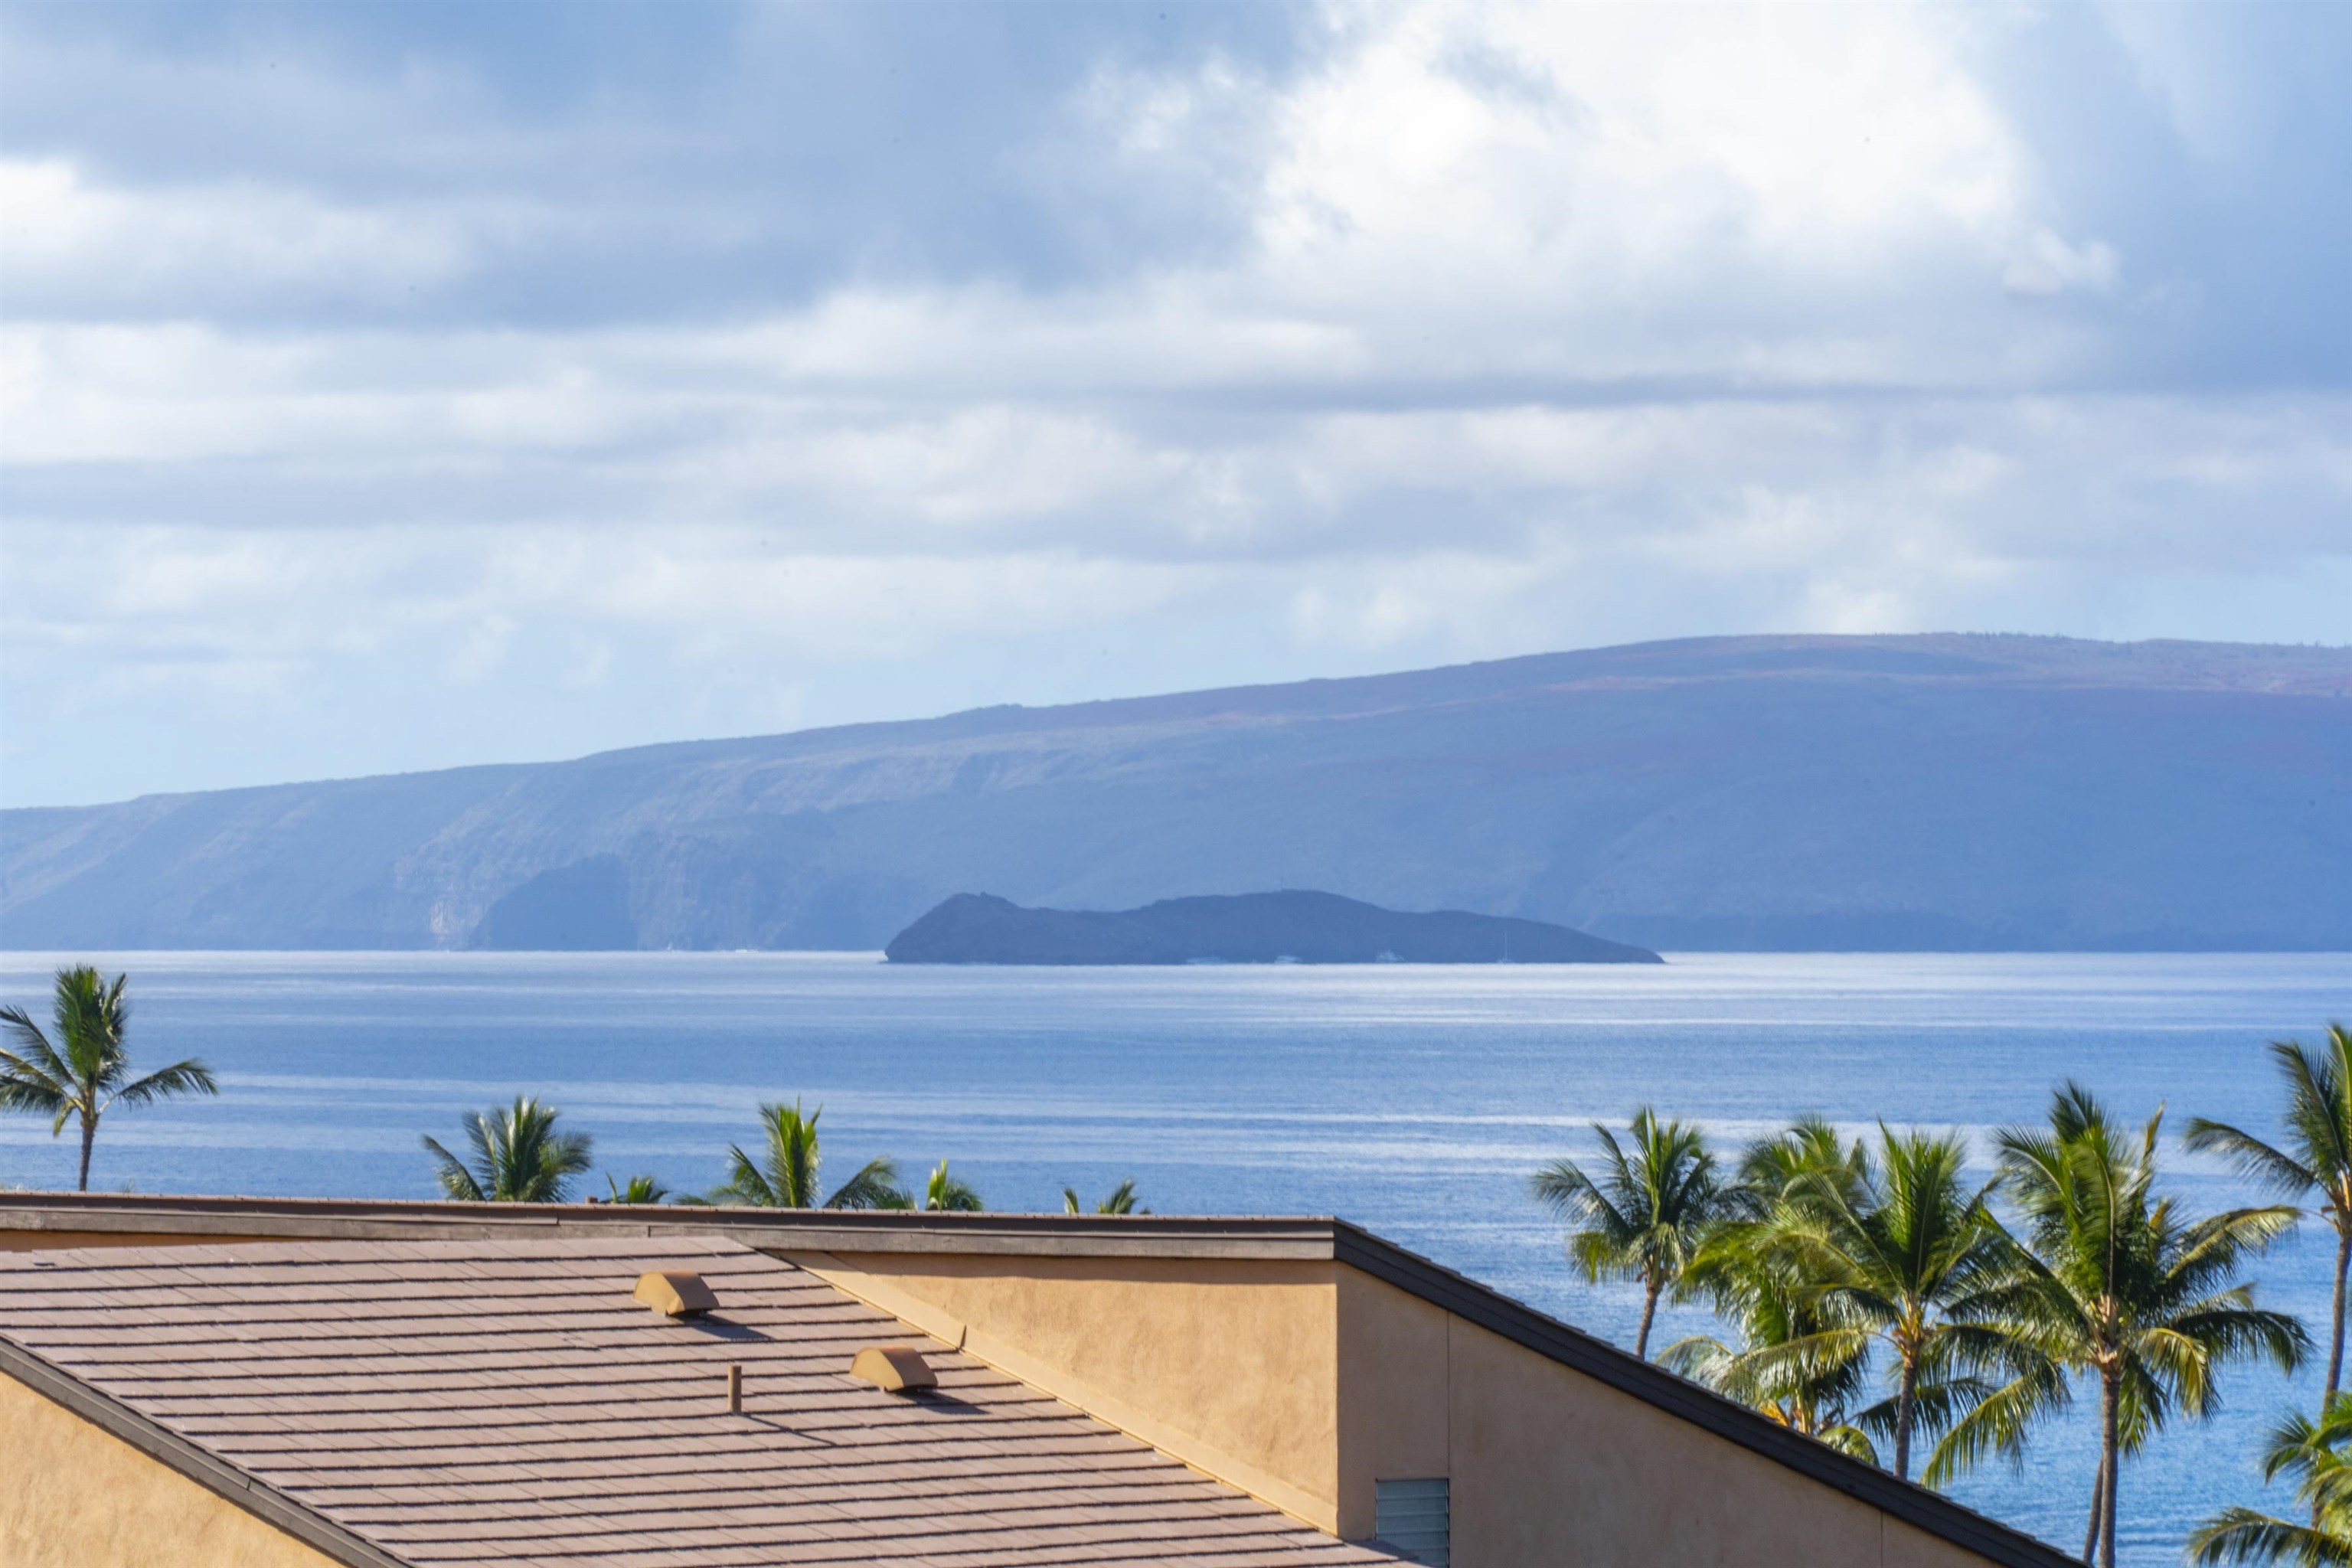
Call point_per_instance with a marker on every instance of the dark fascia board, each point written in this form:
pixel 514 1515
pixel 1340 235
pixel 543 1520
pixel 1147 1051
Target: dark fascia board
pixel 1261 1238
pixel 193 1460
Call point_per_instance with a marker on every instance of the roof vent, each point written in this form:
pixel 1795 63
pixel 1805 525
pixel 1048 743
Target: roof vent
pixel 1415 1518
pixel 674 1293
pixel 894 1369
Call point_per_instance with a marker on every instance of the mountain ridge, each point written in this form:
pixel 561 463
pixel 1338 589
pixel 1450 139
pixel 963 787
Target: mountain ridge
pixel 1770 791
pixel 2302 670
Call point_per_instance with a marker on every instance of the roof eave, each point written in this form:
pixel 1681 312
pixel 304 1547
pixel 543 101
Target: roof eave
pixel 193 1460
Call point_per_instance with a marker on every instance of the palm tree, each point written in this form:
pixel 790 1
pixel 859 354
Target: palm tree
pixel 2312 1452
pixel 1798 1366
pixel 787 1177
pixel 640 1190
pixel 2112 1282
pixel 2318 1156
pixel 1901 1251
pixel 84 1072
pixel 1781 1365
pixel 1809 1150
pixel 1121 1200
pixel 1642 1217
pixel 518 1156
pixel 950 1194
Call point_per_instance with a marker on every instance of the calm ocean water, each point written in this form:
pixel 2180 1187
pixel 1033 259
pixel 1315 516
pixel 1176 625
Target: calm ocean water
pixel 1414 1101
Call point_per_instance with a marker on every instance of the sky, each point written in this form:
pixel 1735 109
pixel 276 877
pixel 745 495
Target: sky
pixel 390 387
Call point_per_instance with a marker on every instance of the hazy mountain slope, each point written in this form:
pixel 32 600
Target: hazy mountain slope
pixel 1762 792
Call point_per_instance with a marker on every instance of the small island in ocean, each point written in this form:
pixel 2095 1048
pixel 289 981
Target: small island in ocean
pixel 1291 927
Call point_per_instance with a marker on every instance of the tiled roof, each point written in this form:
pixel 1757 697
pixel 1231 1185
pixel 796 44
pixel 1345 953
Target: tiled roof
pixel 506 1402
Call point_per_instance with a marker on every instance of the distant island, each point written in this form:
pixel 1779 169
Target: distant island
pixel 1296 927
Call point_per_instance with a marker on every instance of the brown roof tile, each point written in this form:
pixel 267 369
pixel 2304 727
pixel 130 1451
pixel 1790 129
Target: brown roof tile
pixel 504 1402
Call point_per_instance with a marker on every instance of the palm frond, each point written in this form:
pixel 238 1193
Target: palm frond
pixel 945 1193
pixel 2243 1535
pixel 1936 1404
pixel 2232 1329
pixel 190 1077
pixel 1120 1200
pixel 1603 1256
pixel 26 1085
pixel 640 1189
pixel 875 1186
pixel 2319 1107
pixel 745 1182
pixel 1563 1187
pixel 1806 1357
pixel 1852 1441
pixel 2217 1246
pixel 520 1156
pixel 1643 1208
pixel 2250 1156
pixel 457 1181
pixel 39 1057
pixel 39 1082
pixel 2000 1423
pixel 1702 1358
pixel 561 1156
pixel 1810 1149
pixel 92 1019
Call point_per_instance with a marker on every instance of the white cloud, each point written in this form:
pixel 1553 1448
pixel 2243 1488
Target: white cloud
pixel 1536 326
pixel 2046 264
pixel 1794 195
pixel 72 244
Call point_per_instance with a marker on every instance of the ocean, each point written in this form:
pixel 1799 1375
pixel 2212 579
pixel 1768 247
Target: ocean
pixel 1414 1101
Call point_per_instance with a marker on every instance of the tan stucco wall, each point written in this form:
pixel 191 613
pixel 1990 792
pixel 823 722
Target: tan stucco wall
pixel 1394 1406
pixel 1229 1366
pixel 1908 1546
pixel 72 1496
pixel 1306 1383
pixel 1548 1463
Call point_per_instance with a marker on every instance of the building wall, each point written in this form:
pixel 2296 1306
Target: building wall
pixel 1307 1383
pixel 1395 1398
pixel 1228 1365
pixel 1544 1458
pixel 1908 1546
pixel 72 1496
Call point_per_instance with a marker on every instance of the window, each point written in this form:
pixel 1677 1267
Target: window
pixel 1413 1518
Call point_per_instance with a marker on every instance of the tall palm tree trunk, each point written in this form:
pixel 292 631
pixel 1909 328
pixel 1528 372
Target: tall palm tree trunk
pixel 88 1136
pixel 2111 1458
pixel 1650 1284
pixel 2336 1343
pixel 2098 1512
pixel 1906 1397
pixel 2336 1340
